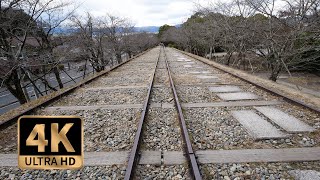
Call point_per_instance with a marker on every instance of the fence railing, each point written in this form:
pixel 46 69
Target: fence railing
pixel 33 95
pixel 72 79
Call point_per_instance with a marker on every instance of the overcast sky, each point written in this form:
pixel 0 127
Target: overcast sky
pixel 143 12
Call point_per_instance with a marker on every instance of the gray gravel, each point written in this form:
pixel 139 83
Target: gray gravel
pixel 222 131
pixel 162 132
pixel 114 172
pixel 185 79
pixel 161 95
pixel 254 170
pixel 131 72
pixel 129 69
pixel 102 96
pixel 122 81
pixel 108 130
pixel 161 77
pixel 162 65
pixel 148 172
pixel 225 78
pixel 189 94
pixel 104 130
pixel 8 139
pixel 139 66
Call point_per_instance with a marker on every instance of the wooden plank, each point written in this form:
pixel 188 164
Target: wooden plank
pixel 231 104
pixel 155 105
pixel 187 66
pixel 162 105
pixel 114 87
pixel 78 108
pixel 167 105
pixel 173 158
pixel 204 157
pixel 257 127
pixel 159 85
pixel 95 158
pixel 259 155
pixel 150 157
pixel 207 84
pixel 284 120
pixel 8 160
pixel 105 158
pixel 90 158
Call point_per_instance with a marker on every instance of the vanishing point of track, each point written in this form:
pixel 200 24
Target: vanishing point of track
pixel 227 125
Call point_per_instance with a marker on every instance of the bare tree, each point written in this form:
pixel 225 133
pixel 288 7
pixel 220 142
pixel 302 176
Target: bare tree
pixel 285 38
pixel 117 29
pixel 47 23
pixel 90 34
pixel 139 41
pixel 18 21
pixel 291 34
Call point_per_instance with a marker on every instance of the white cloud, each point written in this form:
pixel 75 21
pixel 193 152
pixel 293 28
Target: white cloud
pixel 143 12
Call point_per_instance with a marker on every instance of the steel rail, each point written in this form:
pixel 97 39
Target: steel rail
pixel 11 120
pixel 134 154
pixel 285 97
pixel 190 153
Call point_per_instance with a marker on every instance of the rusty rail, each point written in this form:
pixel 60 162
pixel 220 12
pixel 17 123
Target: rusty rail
pixel 134 154
pixel 190 153
pixel 12 120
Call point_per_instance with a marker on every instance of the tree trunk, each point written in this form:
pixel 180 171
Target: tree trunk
pixel 130 54
pixel 57 74
pixel 273 76
pixel 118 56
pixel 229 55
pixel 36 90
pixel 275 72
pixel 85 68
pixel 17 91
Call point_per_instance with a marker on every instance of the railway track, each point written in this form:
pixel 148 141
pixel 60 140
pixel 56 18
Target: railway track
pixel 165 115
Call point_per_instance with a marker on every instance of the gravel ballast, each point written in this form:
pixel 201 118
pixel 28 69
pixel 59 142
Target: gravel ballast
pixel 115 172
pixel 103 96
pixel 255 170
pixel 176 172
pixel 104 130
pixel 162 132
pixel 216 129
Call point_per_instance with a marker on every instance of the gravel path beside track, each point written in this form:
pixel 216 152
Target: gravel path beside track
pixel 216 129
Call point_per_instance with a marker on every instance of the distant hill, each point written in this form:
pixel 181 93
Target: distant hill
pixel 150 29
